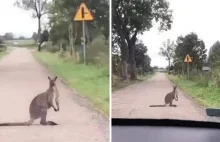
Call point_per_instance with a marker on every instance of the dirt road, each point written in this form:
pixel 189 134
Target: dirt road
pixel 21 79
pixel 134 102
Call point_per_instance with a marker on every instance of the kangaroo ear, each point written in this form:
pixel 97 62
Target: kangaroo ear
pixel 49 78
pixel 55 78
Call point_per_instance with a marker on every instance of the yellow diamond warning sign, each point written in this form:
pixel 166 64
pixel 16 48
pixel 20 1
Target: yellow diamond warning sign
pixel 187 59
pixel 83 13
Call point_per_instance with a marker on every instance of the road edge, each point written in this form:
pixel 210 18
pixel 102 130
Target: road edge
pixel 130 85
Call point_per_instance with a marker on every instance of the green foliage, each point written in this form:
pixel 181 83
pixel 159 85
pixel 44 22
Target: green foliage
pixel 167 50
pixel 61 14
pixel 141 58
pixel 34 37
pixel 138 16
pixel 215 77
pixel 38 7
pixel 45 36
pixel 214 54
pixel 8 36
pixel 131 18
pixel 192 45
pixel 98 52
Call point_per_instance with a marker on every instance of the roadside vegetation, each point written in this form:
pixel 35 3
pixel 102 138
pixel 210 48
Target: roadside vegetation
pixel 3 48
pixel 118 84
pixel 203 82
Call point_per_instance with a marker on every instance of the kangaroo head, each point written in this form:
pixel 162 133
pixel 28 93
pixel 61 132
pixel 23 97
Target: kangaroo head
pixel 52 81
pixel 174 88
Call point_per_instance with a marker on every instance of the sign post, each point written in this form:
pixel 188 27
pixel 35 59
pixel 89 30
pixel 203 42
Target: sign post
pixel 187 60
pixel 83 14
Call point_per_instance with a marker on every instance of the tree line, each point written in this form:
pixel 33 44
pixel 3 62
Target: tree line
pixel 191 44
pixel 10 36
pixel 62 29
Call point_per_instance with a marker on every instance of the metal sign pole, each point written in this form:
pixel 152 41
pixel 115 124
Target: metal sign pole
pixel 83 14
pixel 188 69
pixel 84 43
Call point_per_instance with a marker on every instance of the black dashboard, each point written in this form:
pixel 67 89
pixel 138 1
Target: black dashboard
pixel 149 130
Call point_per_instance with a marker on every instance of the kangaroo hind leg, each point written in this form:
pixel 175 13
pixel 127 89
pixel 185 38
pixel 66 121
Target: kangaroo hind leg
pixel 171 103
pixel 43 120
pixel 43 117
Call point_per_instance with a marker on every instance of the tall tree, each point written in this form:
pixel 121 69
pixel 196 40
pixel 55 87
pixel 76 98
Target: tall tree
pixel 194 47
pixel 131 18
pixel 45 36
pixel 214 54
pixel 34 37
pixel 8 36
pixel 167 51
pixel 38 8
pixel 141 58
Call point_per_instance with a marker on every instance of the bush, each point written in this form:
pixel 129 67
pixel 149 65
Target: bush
pixel 98 52
pixel 51 48
pixel 215 77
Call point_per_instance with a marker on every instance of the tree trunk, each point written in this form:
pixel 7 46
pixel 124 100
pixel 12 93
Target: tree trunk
pixel 124 70
pixel 71 38
pixel 75 33
pixel 39 34
pixel 133 73
pixel 124 55
pixel 169 66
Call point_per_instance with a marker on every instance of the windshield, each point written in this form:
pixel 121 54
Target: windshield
pixel 165 59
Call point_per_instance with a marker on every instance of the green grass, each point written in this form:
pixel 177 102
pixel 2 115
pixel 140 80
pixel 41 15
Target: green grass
pixel 205 96
pixel 118 84
pixel 3 52
pixel 89 81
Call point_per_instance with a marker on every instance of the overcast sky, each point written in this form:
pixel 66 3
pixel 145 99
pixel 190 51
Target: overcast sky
pixel 15 20
pixel 200 16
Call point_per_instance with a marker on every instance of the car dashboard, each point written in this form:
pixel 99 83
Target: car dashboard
pixel 148 130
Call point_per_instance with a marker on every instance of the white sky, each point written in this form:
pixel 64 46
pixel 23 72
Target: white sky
pixel 15 20
pixel 199 16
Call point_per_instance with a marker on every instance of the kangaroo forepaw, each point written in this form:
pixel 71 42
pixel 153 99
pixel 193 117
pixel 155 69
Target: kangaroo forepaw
pixel 56 109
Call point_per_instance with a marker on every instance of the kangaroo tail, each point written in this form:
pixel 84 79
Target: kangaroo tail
pixel 157 105
pixel 51 123
pixel 14 124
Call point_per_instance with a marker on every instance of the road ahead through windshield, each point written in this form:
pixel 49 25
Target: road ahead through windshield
pixel 134 102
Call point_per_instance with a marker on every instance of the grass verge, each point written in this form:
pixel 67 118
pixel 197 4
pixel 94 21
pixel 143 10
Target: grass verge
pixel 89 81
pixel 118 84
pixel 3 53
pixel 205 96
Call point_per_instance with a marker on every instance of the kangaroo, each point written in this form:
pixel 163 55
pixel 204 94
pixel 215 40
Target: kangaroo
pixel 171 96
pixel 39 106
